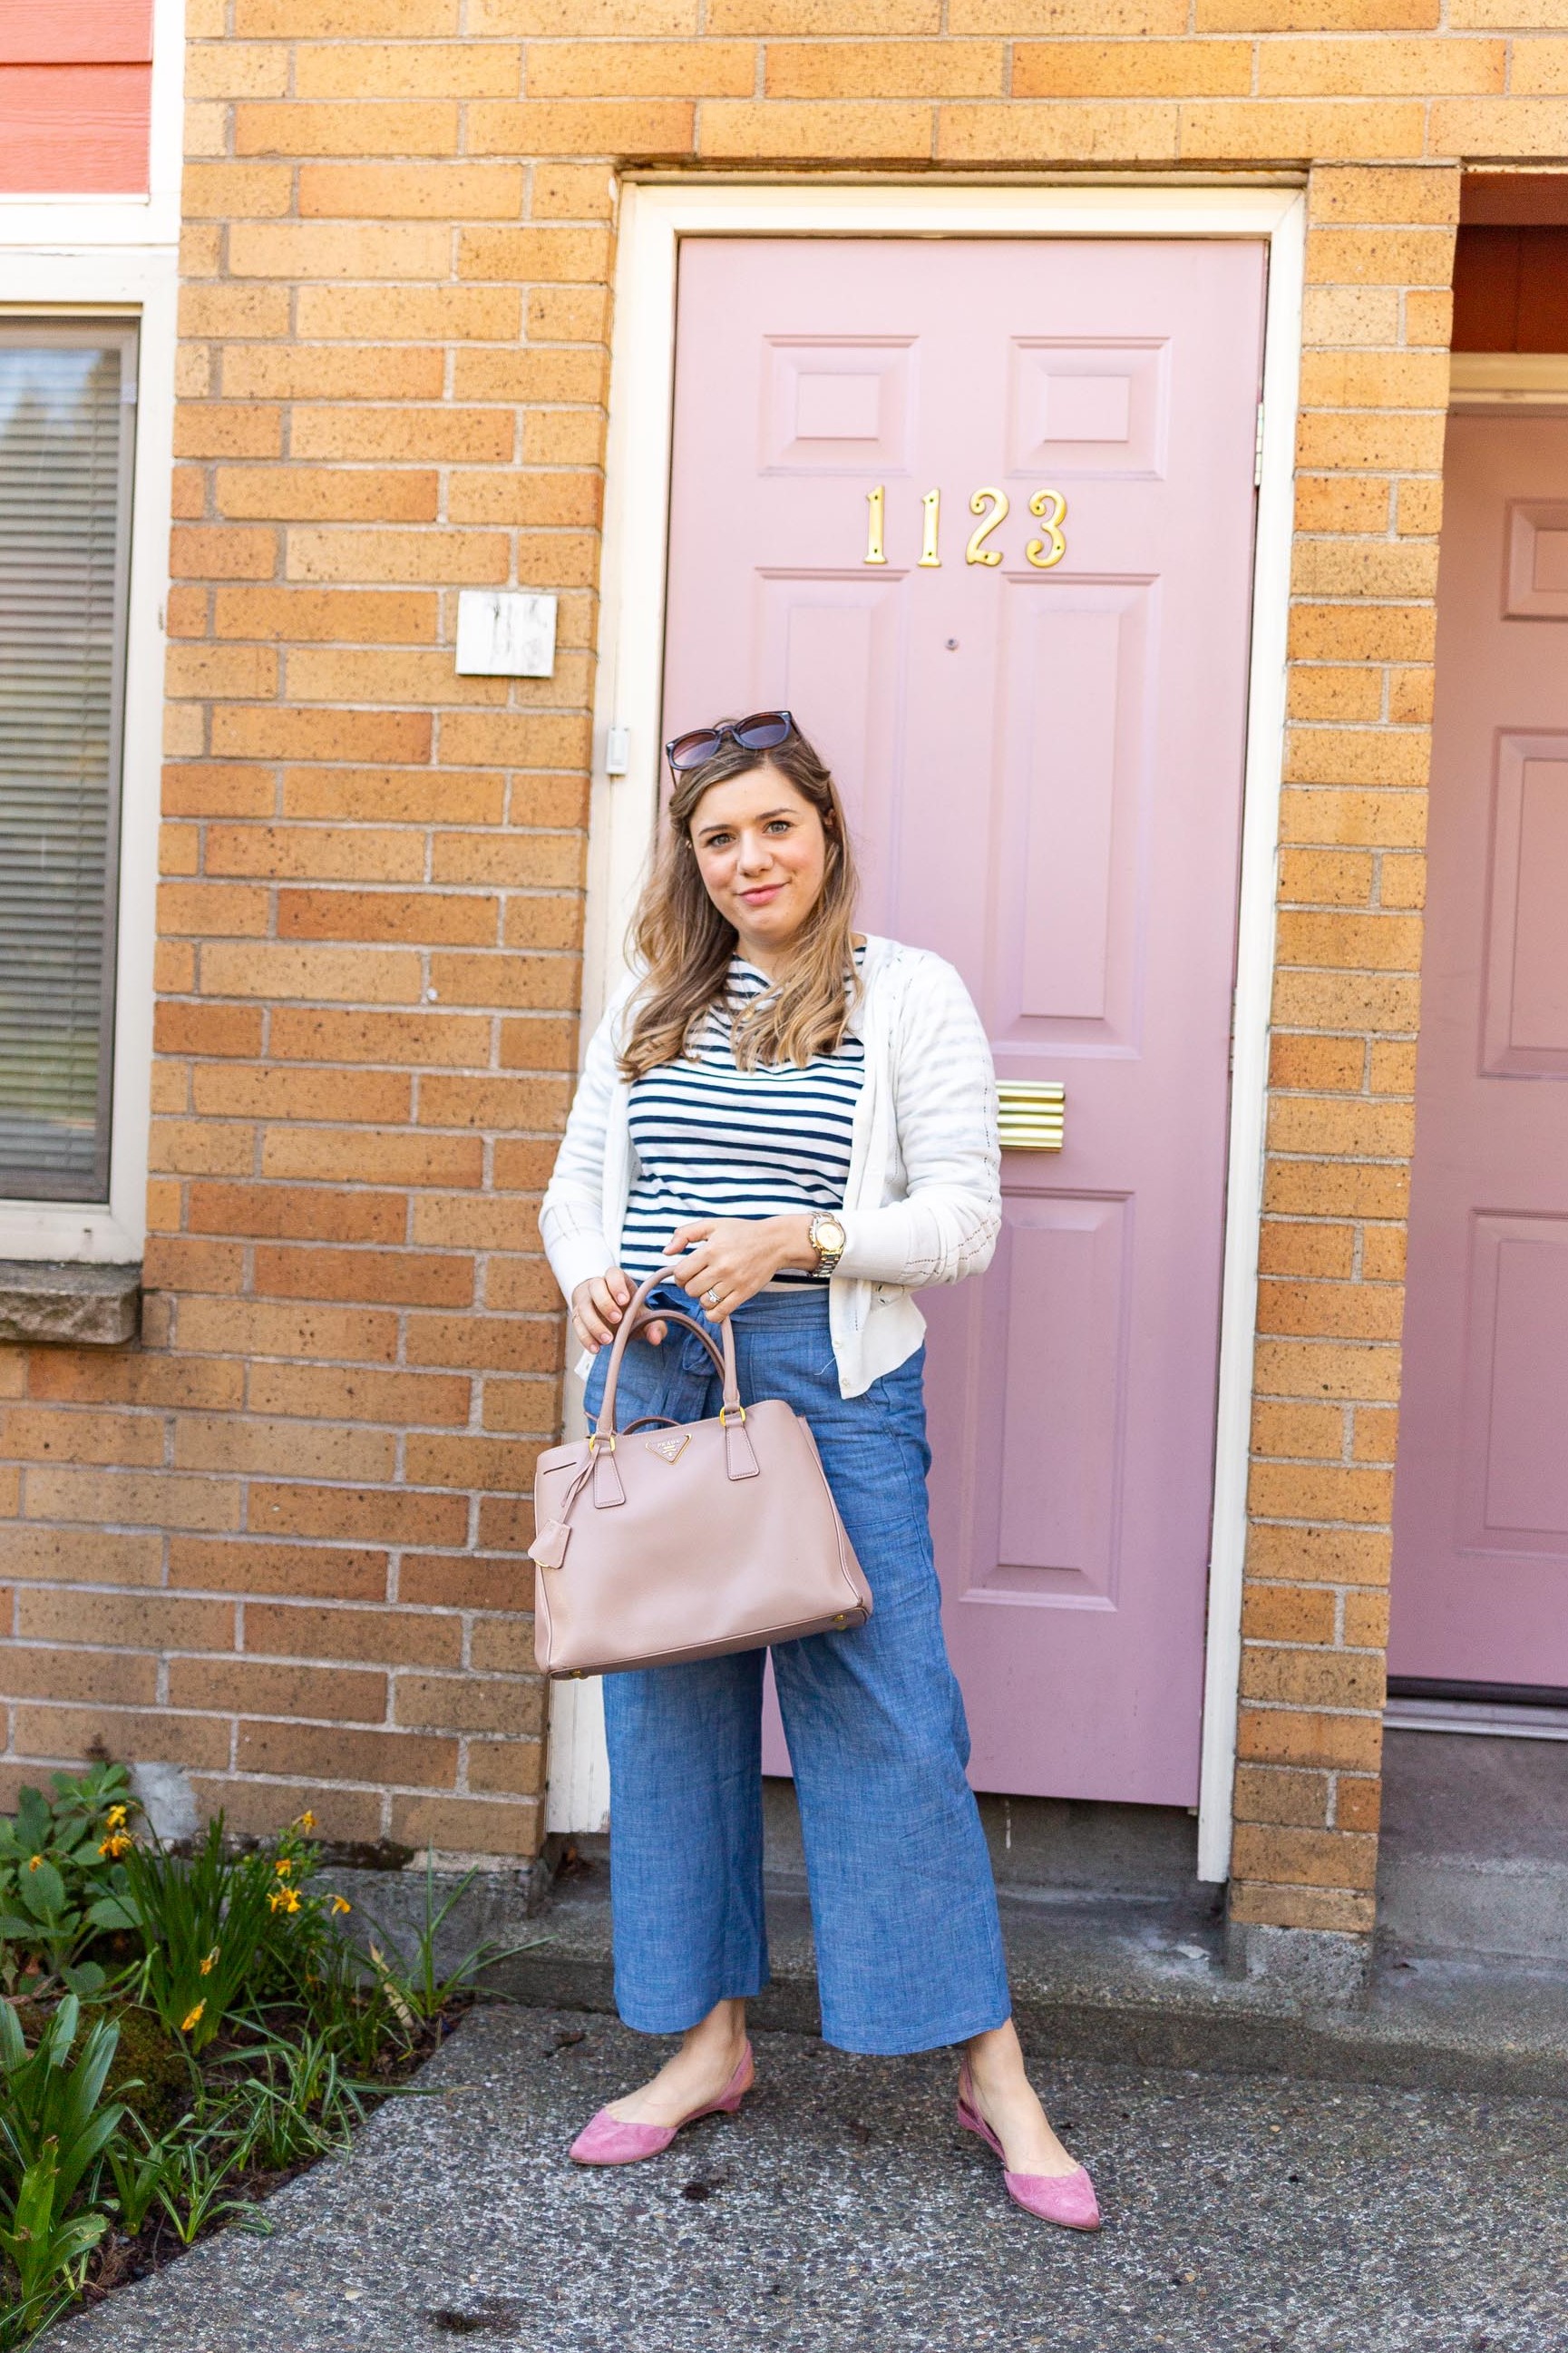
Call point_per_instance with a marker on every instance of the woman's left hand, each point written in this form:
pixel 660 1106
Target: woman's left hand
pixel 722 1261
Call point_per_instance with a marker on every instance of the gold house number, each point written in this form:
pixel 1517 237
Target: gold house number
pixel 993 507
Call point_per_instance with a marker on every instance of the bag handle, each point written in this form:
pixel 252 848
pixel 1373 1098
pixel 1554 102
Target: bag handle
pixel 732 1409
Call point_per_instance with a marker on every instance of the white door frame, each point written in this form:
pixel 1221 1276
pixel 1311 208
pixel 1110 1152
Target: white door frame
pixel 655 215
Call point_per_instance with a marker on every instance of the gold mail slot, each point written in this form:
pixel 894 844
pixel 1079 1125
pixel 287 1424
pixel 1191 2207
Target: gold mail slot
pixel 1031 1114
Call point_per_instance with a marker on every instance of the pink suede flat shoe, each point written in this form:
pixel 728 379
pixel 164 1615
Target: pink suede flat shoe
pixel 1065 2198
pixel 605 2140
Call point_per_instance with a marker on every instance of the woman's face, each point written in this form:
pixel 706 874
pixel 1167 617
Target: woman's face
pixel 762 855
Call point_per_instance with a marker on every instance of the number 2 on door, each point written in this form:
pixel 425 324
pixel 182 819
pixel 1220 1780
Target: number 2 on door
pixel 977 552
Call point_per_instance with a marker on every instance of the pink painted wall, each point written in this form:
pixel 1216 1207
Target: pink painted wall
pixel 75 92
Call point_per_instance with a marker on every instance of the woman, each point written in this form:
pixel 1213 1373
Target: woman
pixel 800 1123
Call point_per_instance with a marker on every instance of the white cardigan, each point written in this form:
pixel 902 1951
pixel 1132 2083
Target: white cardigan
pixel 922 1203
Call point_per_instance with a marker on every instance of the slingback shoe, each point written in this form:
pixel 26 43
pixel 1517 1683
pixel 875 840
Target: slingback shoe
pixel 605 2139
pixel 1065 2198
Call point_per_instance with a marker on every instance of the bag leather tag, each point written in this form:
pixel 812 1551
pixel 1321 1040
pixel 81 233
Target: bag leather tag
pixel 607 1489
pixel 549 1547
pixel 739 1456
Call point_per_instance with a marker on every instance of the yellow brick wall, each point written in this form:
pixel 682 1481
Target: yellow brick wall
pixel 281 1543
pixel 1368 504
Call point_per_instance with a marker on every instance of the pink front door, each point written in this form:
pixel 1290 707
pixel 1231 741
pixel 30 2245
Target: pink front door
pixel 1480 1513
pixel 1036 718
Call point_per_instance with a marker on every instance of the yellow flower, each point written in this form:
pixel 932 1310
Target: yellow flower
pixel 116 1818
pixel 34 1861
pixel 306 1822
pixel 284 1899
pixel 283 1866
pixel 192 2018
pixel 115 1844
pixel 340 1903
pixel 212 1957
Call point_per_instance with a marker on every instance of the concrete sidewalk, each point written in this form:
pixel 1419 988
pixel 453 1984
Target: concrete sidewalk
pixel 844 2208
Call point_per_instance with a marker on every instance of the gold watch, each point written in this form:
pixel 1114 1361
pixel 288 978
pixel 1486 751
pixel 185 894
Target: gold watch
pixel 829 1240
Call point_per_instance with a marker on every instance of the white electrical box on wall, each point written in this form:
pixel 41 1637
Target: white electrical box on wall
pixel 504 633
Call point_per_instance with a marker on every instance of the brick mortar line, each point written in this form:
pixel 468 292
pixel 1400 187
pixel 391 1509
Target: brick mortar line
pixel 500 1798
pixel 1322 1526
pixel 1338 1648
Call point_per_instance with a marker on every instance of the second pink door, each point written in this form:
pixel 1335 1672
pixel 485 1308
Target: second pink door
pixel 980 513
pixel 1481 1507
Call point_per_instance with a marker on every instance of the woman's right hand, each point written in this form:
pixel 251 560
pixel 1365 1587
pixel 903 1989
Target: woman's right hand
pixel 598 1305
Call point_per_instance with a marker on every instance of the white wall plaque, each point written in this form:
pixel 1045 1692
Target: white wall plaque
pixel 502 633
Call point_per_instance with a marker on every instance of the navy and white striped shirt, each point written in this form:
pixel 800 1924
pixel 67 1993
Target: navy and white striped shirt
pixel 714 1140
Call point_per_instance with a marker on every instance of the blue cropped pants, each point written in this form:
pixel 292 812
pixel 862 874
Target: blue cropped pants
pixel 909 1946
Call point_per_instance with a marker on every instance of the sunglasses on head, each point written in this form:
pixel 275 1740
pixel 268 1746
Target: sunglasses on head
pixel 764 731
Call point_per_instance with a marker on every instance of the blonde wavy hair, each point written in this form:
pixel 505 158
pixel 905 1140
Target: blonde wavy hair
pixel 684 944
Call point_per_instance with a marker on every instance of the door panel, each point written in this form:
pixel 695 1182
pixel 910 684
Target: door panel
pixel 837 645
pixel 1537 562
pixel 1526 1019
pixel 1070 779
pixel 1042 765
pixel 1053 1481
pixel 1480 1516
pixel 1515 1481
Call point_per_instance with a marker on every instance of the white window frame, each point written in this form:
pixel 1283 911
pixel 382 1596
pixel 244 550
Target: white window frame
pixel 117 258
pixel 654 215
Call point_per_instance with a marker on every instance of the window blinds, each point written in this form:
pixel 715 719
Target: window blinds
pixel 66 419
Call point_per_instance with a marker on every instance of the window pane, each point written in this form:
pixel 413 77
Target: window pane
pixel 64 450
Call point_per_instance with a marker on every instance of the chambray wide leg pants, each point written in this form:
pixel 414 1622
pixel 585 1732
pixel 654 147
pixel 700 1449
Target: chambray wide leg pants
pixel 909 1945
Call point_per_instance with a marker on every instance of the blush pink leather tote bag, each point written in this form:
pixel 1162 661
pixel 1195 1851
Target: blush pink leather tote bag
pixel 668 1541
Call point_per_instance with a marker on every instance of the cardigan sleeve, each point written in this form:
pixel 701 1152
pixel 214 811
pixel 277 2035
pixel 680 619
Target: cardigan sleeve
pixel 945 1112
pixel 572 1214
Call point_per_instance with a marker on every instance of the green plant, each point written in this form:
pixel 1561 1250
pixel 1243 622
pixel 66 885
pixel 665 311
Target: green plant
pixel 152 2071
pixel 70 1825
pixel 82 1803
pixel 152 2121
pixel 62 1882
pixel 136 2172
pixel 42 1920
pixel 53 2132
pixel 47 2104
pixel 191 2179
pixel 331 1993
pixel 274 2133
pixel 298 2103
pixel 415 1988
pixel 208 1928
pixel 47 2249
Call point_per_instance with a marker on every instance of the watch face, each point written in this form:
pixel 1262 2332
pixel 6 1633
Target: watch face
pixel 830 1234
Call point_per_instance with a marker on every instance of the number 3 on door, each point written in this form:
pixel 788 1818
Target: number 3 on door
pixel 1052 508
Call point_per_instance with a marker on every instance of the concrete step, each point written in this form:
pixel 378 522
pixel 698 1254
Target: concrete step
pixel 1474 1853
pixel 1118 1952
pixel 1458 1904
pixel 1142 1981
